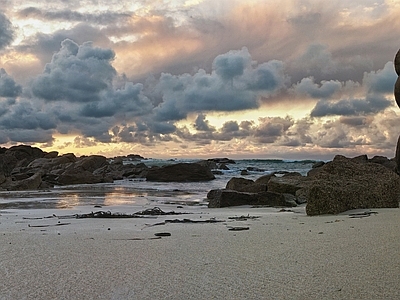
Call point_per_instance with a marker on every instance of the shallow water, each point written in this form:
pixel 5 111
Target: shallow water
pixel 140 192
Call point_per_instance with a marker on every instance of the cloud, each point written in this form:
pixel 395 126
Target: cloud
pixel 8 87
pixel 351 107
pixel 102 18
pixel 45 45
pixel 235 83
pixel 381 81
pixel 76 74
pixel 325 89
pixel 201 124
pixel 6 31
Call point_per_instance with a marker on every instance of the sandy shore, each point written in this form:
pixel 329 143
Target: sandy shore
pixel 283 255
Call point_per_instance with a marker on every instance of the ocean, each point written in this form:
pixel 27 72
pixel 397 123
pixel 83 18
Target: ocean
pixel 139 192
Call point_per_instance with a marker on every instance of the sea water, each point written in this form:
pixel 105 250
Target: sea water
pixel 139 192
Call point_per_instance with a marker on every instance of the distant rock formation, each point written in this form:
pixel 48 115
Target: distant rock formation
pixel 328 188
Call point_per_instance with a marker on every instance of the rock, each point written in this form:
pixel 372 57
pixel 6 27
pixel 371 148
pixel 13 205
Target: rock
pixel 345 184
pixel 181 172
pixel 397 63
pixel 208 164
pixel 90 163
pixel 397 156
pixel 245 185
pixel 223 167
pixel 79 177
pixel 318 164
pixel 397 91
pixel 24 154
pixel 292 174
pixel 226 198
pixel 31 183
pixel 223 160
pixel 52 154
pixel 384 161
pixel 265 178
pixel 288 184
pixel 301 195
pixel 255 169
pixel 244 173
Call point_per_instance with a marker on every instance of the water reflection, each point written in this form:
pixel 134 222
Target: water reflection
pixel 94 195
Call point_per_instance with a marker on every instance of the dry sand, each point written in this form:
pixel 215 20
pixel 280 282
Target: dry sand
pixel 283 255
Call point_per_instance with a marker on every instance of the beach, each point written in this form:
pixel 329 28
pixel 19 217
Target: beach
pixel 281 255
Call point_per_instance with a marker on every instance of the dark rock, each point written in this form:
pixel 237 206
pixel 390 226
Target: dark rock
pixel 223 167
pixel 397 63
pixel 265 178
pixel 31 183
pixel 226 198
pixel 208 164
pixel 397 156
pixel 397 91
pixel 345 184
pixel 318 164
pixel 384 161
pixel 244 173
pixel 52 154
pixel 223 160
pixel 287 184
pixel 81 177
pixel 292 174
pixel 181 172
pixel 245 185
pixel 254 169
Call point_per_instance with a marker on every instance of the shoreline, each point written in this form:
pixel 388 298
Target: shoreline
pixel 283 255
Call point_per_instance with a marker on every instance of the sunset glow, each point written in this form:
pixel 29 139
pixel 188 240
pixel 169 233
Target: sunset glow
pixel 166 79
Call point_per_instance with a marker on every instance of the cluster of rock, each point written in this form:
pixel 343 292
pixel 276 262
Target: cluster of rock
pixel 329 188
pixel 26 168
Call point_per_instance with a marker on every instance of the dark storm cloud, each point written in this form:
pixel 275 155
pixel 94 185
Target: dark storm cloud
pixel 235 84
pixel 8 87
pixel 76 74
pixel 103 18
pixel 129 100
pixel 24 115
pixel 351 107
pixel 30 136
pixel 6 31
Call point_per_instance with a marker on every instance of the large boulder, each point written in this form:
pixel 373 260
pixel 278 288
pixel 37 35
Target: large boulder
pixel 181 172
pixel 345 184
pixel 225 198
pixel 288 184
pixel 31 183
pixel 245 185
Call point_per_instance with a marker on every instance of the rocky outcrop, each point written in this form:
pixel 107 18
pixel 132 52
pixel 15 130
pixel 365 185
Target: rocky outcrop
pixel 245 185
pixel 345 184
pixel 225 198
pixel 181 172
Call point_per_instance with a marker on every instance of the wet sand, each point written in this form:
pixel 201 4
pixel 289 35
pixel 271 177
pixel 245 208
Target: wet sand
pixel 283 255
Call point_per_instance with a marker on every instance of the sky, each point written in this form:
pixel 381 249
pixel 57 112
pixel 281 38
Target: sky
pixel 287 79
